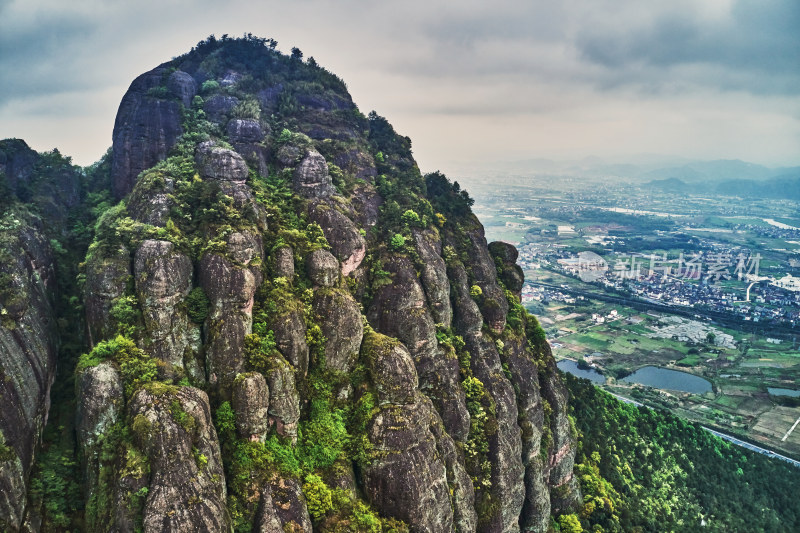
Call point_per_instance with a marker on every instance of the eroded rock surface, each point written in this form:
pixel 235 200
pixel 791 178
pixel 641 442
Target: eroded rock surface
pixel 28 350
pixel 250 403
pixel 347 243
pixel 185 493
pixel 311 178
pixel 230 283
pixel 163 280
pixel 340 320
pixel 146 128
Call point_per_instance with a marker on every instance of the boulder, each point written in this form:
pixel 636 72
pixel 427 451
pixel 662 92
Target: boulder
pixel 311 178
pixel 290 338
pixel 174 429
pixel 284 401
pixel 244 130
pixel 221 164
pixel 322 268
pixel 340 319
pixel 182 86
pixel 218 106
pixel 163 280
pixel 283 262
pixel 391 369
pixel 346 241
pixel 250 402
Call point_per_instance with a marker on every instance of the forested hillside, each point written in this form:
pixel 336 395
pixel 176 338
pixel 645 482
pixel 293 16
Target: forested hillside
pixel 646 470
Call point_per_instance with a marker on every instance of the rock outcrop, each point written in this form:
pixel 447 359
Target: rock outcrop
pixel 280 300
pixel 148 125
pixel 28 349
pixel 186 490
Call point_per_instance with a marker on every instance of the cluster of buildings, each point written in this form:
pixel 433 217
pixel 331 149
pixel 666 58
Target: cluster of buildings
pixel 701 281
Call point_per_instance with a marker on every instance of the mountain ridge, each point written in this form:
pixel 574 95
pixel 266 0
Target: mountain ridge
pixel 279 318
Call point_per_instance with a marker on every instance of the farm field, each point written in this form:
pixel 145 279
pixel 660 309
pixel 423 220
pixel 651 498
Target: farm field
pixel 740 366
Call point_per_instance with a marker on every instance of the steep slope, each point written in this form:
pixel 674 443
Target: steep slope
pixel 36 193
pixel 279 260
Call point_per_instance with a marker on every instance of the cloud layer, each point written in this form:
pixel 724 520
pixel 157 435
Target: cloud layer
pixel 469 82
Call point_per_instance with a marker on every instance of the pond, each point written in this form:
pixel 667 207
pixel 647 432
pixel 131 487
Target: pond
pixel 566 365
pixel 783 392
pixel 663 378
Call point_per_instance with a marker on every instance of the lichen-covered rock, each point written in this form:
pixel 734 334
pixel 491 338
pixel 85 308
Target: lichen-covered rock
pixel 399 310
pixel 244 130
pixel 311 178
pixel 492 302
pixel 524 376
pixel 145 130
pixel 283 262
pixel 28 349
pixel 564 491
pixel 509 272
pixel 322 268
pixel 391 369
pixel 289 506
pixel 246 136
pixel 434 276
pixel 150 203
pixel 221 164
pixel 289 155
pixel 218 106
pixel 106 279
pixel 347 243
pixel 340 319
pixel 407 478
pixel 290 338
pixel 230 284
pixel 229 169
pixel 182 86
pixel 267 520
pixel 462 492
pixel 187 489
pixel 507 490
pixel 284 401
pixel 163 280
pixel 250 402
pixel 100 406
pixel 366 204
pixel 357 162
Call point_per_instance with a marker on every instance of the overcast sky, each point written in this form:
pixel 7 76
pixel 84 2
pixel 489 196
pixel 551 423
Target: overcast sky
pixel 471 82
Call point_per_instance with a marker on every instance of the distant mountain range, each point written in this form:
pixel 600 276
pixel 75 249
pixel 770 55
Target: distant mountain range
pixel 730 178
pixel 724 176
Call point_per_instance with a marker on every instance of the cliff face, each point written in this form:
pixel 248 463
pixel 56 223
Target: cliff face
pixel 29 339
pixel 292 329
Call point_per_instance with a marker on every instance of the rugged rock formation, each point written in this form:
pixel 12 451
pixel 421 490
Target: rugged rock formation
pixel 148 125
pixel 175 432
pixel 230 288
pixel 28 349
pixel 37 192
pixel 163 280
pixel 287 331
